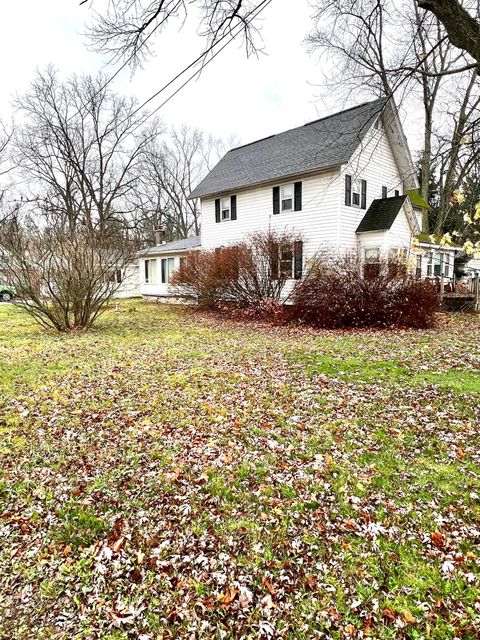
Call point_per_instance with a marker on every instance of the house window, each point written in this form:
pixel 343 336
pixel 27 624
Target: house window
pixel 384 192
pixel 371 267
pixel 372 254
pixel 116 276
pixel 225 208
pixel 356 191
pixel 429 264
pixel 437 264
pixel 286 261
pixel 168 266
pixel 418 268
pixel 151 271
pixel 446 268
pixel 287 197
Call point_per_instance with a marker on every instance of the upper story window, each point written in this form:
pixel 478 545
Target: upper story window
pixel 226 209
pixel 355 192
pixel 151 271
pixel 288 197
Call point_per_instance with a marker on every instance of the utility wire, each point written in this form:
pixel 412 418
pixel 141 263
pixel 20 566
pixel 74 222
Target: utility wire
pixel 240 27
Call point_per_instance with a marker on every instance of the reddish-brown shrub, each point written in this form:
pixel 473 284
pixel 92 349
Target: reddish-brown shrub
pixel 344 292
pixel 244 275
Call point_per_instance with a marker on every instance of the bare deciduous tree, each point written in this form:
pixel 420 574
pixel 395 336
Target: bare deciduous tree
pixel 360 35
pixel 124 30
pixel 172 167
pixel 64 277
pixel 79 148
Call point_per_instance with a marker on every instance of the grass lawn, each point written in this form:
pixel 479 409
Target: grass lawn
pixel 169 475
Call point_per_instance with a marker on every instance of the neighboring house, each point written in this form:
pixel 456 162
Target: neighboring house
pixel 341 182
pixel 434 261
pixel 128 279
pixel 158 263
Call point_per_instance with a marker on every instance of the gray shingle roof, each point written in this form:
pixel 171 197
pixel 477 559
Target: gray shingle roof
pixel 172 247
pixel 381 214
pixel 316 145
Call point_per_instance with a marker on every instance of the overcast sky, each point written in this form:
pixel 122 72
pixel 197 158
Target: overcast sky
pixel 234 96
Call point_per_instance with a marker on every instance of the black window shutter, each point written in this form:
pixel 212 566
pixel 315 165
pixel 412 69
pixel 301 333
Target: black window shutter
pixel 276 200
pixel 363 204
pixel 298 259
pixel 146 271
pixel 217 210
pixel 384 192
pixel 348 190
pixel 233 208
pixel 274 258
pixel 298 196
pixel 164 270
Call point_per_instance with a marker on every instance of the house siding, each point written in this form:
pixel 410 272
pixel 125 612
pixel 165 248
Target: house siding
pixel 374 162
pixel 317 222
pixel 400 234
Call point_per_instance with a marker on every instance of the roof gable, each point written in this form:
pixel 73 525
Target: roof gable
pixel 323 143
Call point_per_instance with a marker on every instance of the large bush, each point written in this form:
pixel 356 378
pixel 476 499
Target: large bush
pixel 245 275
pixel 343 291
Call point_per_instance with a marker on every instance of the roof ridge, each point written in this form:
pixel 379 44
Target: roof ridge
pixel 337 113
pixel 306 124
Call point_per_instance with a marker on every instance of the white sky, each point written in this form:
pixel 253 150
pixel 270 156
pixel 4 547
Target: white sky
pixel 234 96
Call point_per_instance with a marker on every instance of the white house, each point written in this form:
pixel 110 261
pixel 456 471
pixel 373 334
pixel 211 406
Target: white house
pixel 340 182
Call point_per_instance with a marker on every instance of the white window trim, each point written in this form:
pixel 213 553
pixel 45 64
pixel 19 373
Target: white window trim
pixel 151 277
pixel 376 254
pixel 357 189
pixel 227 210
pixel 291 249
pixel 169 269
pixel 290 185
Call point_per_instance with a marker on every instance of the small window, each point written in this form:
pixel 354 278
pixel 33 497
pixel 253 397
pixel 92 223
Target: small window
pixel 384 192
pixel 429 264
pixel 116 276
pixel 397 193
pixel 151 271
pixel 287 197
pixel 418 269
pixel 446 268
pixel 371 268
pixel 286 261
pixel 356 191
pixel 225 208
pixel 372 254
pixel 437 264
pixel 168 266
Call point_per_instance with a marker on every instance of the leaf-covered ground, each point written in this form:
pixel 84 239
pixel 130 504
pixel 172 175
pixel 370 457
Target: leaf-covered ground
pixel 169 475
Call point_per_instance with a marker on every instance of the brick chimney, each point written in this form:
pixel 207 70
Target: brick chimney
pixel 159 236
